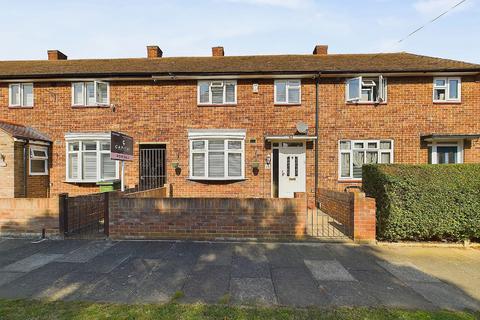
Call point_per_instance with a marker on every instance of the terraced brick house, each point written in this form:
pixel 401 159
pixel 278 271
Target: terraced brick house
pixel 234 126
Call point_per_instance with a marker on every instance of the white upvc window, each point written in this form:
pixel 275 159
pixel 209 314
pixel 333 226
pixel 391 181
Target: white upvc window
pixel 353 154
pixel 445 152
pixel 20 95
pixel 287 91
pixel 366 90
pixel 88 160
pixel 38 161
pixel 217 154
pixel 90 93
pixel 447 89
pixel 217 92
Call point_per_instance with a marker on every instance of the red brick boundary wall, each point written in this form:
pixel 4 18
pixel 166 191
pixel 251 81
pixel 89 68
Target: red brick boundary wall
pixel 27 217
pixel 207 218
pixel 352 209
pixel 152 193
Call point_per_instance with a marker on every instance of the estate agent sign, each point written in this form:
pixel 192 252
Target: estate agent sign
pixel 121 147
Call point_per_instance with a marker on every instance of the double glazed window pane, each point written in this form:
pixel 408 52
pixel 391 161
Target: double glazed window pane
pixel 345 165
pixel 217 92
pixel 234 164
pixel 108 168
pixel 281 91
pixel 216 164
pixel 229 92
pixel 15 94
pixel 21 94
pixel 216 158
pixel 73 166
pixel 78 93
pixel 28 95
pixel 37 166
pixel 90 87
pixel 89 166
pixel 204 92
pixel 217 95
pixel 102 93
pixel 198 164
pixel 287 91
pixel 453 89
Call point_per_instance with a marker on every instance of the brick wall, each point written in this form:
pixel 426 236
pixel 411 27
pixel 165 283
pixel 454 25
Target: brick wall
pixel 200 218
pixel 163 111
pixel 7 170
pixel 352 209
pixel 153 193
pixel 27 217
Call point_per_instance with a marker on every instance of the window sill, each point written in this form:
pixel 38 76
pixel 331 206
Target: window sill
pixel 80 182
pixel 359 180
pixel 38 174
pixel 217 105
pixel 447 102
pixel 214 179
pixel 95 106
pixel 366 103
pixel 20 107
pixel 287 104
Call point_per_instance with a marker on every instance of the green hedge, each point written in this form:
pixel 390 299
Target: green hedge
pixel 425 202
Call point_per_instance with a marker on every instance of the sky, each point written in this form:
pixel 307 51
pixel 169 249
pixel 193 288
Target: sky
pixel 123 28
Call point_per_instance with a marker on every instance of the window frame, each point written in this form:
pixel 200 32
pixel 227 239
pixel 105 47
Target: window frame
pixel 205 151
pixel 224 83
pixel 365 150
pixel 382 90
pixel 287 86
pixel 41 158
pixel 84 94
pixel 447 89
pixel 432 150
pixel 21 103
pixel 79 153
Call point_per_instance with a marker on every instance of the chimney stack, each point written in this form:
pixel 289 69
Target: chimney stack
pixel 218 52
pixel 320 50
pixel 56 55
pixel 154 52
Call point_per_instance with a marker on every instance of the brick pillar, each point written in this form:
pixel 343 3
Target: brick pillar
pixel 364 220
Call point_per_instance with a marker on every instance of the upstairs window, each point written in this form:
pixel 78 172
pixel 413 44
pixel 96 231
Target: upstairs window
pixel 367 90
pixel 92 93
pixel 287 91
pixel 217 92
pixel 447 89
pixel 38 161
pixel 20 95
pixel 353 154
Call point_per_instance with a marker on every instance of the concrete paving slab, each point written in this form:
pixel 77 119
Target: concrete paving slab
pixel 104 263
pixel 296 286
pixel 253 291
pixel 315 252
pixel 253 252
pixel 140 249
pixel 214 254
pixel 283 255
pixel 160 285
pixel 33 283
pixel 29 248
pixel 208 285
pixel 6 277
pixel 390 291
pixel 9 244
pixel 328 270
pixel 407 271
pixel 345 294
pixel 86 252
pixel 31 263
pixel 64 246
pixel 354 257
pixel 243 267
pixel 445 296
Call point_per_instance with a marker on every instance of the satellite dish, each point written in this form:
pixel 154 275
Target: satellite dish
pixel 302 127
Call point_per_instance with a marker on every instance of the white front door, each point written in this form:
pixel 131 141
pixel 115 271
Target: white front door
pixel 291 169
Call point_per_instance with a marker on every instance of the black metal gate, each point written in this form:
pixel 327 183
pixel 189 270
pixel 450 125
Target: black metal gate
pixel 152 167
pixel 321 226
pixel 84 216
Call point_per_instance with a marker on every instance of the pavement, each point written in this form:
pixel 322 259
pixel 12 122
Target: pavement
pixel 287 274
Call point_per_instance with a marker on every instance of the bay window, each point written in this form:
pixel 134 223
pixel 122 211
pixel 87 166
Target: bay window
pixel 217 92
pixel 353 154
pixel 216 156
pixel 20 95
pixel 447 89
pixel 92 93
pixel 88 159
pixel 287 91
pixel 367 90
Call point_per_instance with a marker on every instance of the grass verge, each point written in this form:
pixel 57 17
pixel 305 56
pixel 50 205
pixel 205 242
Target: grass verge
pixel 27 309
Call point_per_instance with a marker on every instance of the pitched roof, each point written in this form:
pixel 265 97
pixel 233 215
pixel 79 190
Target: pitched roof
pixel 23 132
pixel 260 64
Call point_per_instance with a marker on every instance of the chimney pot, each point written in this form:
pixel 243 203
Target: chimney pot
pixel 154 52
pixel 320 50
pixel 56 55
pixel 218 52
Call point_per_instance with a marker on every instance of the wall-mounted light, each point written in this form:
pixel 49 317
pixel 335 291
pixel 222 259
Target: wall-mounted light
pixel 255 88
pixel 268 159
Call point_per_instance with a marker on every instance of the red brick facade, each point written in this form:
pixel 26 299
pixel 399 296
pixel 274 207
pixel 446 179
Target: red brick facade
pixel 162 111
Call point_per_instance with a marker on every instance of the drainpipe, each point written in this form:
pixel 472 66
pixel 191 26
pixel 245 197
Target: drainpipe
pixel 25 169
pixel 317 79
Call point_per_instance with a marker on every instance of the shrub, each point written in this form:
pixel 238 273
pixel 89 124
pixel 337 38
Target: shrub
pixel 425 202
